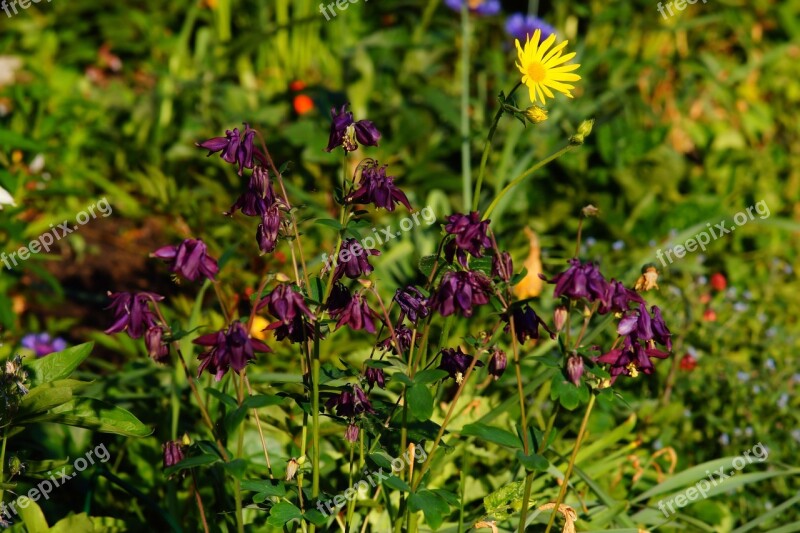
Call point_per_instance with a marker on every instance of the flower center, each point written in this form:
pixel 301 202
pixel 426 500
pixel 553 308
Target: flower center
pixel 632 369
pixel 536 71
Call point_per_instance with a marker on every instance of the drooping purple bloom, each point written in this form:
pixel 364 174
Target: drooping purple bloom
pixel 189 259
pixel 267 231
pixel 353 260
pixel 413 304
pixel 231 348
pixel 173 453
pixel 350 404
pixel 288 306
pixel 157 349
pixel 471 235
pixel 521 26
pixel 258 197
pixel 348 133
pixel 132 312
pixel 661 332
pixel 234 147
pixel 460 292
pixel 644 328
pixel 403 335
pixel 628 324
pixel 526 322
pixel 338 300
pixel 478 7
pixel 502 266
pixel 618 298
pixel 351 433
pixel 575 369
pixel 497 364
pixel 455 363
pixel 631 358
pixel 42 344
pixel 377 188
pixel 375 376
pixel 357 315
pixel 580 281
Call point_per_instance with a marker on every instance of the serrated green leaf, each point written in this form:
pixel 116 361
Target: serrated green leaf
pixel 57 365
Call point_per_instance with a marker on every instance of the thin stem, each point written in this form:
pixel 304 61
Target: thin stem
pixel 222 305
pixel 563 492
pixel 488 148
pixel 258 425
pixel 3 462
pixel 199 501
pixel 315 367
pixel 524 423
pixel 237 484
pixel 466 167
pixel 513 183
pixel 578 240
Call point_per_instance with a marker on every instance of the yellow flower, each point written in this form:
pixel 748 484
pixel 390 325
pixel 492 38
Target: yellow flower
pixel 542 70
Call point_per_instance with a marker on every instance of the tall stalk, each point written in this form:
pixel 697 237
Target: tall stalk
pixel 466 156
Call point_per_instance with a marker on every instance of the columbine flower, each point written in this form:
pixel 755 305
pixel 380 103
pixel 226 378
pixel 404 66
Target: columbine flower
pixel 347 133
pixel 661 332
pixel 157 349
pixel 258 196
pixel 580 281
pixel 6 198
pixel 288 307
pixel 560 315
pixel 357 315
pixel 234 147
pixel 267 231
pixel 228 349
pixel 350 404
pixel 502 266
pixel 375 376
pixel 377 188
pixel 526 323
pixel 357 260
pixel 41 343
pixel 351 433
pixel 470 236
pixel 455 363
pixel 618 298
pixel 132 313
pixel 542 69
pixel 631 358
pixel 521 26
pixel 189 259
pixel 173 452
pixel 403 336
pixel 497 364
pixel 478 7
pixel 412 302
pixel 575 369
pixel 460 291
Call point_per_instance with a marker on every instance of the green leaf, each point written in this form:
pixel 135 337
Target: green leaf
pixel 427 263
pixel 491 434
pixel 506 501
pixel 396 483
pixel 429 376
pixel 335 224
pixel 94 414
pixel 420 402
pixel 57 365
pixel 282 513
pixel 47 396
pixel 191 462
pixel 33 517
pixel 265 486
pixel 315 517
pixel 236 468
pixel 565 391
pixel 533 462
pixel 430 503
pixel 262 400
pixel 227 399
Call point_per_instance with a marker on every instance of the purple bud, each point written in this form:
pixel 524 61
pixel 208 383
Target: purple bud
pixel 575 369
pixel 375 376
pixel 497 364
pixel 156 348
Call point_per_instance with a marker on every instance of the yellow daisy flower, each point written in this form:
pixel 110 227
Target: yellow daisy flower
pixel 542 70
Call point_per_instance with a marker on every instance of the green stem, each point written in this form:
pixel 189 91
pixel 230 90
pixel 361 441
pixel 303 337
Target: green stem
pixel 488 148
pixel 466 169
pixel 237 487
pixel 524 423
pixel 315 414
pixel 563 492
pixel 3 461
pixel 513 183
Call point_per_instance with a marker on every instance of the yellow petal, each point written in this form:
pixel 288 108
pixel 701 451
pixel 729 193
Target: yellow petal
pixel 531 284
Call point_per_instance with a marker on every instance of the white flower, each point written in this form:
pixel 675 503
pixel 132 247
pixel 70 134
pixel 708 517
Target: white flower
pixel 5 198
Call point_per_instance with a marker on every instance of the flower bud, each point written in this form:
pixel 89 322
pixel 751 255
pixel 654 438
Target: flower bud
pixel 291 469
pixel 173 453
pixel 497 364
pixel 590 211
pixel 583 131
pixel 559 317
pixel 575 369
pixel 156 349
pixel 351 433
pixel 536 114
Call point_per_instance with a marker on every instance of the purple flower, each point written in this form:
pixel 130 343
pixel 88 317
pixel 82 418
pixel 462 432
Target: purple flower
pixel 258 196
pixel 521 26
pixel 526 323
pixel 479 7
pixel 575 369
pixel 228 349
pixel 173 453
pixel 357 315
pixel 661 333
pixel 132 313
pixel 267 232
pixel 353 260
pixel 460 291
pixel 338 300
pixel 618 298
pixel 470 236
pixel 403 336
pixel 580 281
pixel 502 266
pixel 189 259
pixel 234 147
pixel 375 376
pixel 157 349
pixel 288 307
pixel 377 188
pixel 347 133
pixel 497 364
pixel 412 303
pixel 631 358
pixel 350 404
pixel 351 433
pixel 41 343
pixel 455 363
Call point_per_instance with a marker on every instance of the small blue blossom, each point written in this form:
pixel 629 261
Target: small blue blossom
pixel 521 26
pixel 702 280
pixel 740 307
pixel 796 435
pixel 783 401
pixel 724 439
pixel 618 245
pixel 756 389
pixel 769 363
pixel 742 376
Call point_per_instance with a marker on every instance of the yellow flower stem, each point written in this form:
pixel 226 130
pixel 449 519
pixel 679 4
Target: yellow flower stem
pixel 513 183
pixel 563 492
pixel 488 148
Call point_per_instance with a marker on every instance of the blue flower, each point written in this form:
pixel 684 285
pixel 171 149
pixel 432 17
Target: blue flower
pixel 41 344
pixel 520 26
pixel 479 7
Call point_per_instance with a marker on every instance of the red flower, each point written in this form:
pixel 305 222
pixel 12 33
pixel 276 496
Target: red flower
pixel 688 362
pixel 718 282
